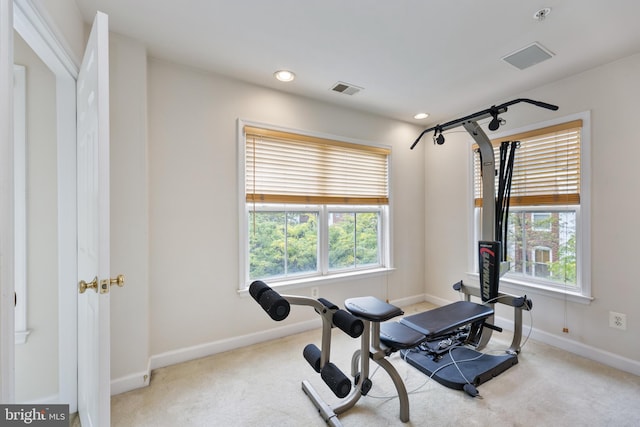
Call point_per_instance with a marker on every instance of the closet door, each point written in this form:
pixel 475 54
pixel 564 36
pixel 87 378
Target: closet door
pixel 94 390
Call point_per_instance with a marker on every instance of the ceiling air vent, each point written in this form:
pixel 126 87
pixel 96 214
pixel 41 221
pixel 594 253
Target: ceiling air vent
pixel 346 88
pixel 528 56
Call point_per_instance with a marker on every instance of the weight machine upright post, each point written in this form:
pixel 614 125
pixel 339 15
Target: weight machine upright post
pixel 487 231
pixel 488 213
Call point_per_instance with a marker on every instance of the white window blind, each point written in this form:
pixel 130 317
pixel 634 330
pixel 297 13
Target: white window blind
pixel 546 169
pixel 284 167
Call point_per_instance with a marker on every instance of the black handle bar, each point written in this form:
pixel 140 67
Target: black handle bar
pixel 494 110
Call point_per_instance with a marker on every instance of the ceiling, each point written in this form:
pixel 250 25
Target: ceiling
pixel 409 56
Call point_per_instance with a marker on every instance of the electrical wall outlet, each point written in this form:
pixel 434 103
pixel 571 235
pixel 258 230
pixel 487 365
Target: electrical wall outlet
pixel 315 292
pixel 618 320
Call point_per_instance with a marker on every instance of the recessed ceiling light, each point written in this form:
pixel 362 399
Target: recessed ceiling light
pixel 421 116
pixel 284 75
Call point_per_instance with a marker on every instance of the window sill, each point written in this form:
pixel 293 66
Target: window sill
pixel 514 286
pixel 305 282
pixel 21 336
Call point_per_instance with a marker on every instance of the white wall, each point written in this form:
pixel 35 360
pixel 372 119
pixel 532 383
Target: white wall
pixel 611 92
pixel 129 213
pixel 193 221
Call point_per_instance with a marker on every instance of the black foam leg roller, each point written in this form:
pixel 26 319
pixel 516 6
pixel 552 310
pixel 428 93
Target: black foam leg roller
pixel 275 305
pixel 328 304
pixel 348 323
pixel 336 380
pixel 257 288
pixel 312 354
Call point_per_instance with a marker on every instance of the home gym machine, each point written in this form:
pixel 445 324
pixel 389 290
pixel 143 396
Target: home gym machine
pixel 443 343
pixel 440 354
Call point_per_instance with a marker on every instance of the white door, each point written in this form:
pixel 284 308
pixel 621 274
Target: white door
pixel 94 389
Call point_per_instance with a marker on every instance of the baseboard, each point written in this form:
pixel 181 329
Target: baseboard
pixel 436 300
pixel 131 382
pixel 403 302
pixel 207 349
pixel 48 400
pixel 169 358
pixel 593 353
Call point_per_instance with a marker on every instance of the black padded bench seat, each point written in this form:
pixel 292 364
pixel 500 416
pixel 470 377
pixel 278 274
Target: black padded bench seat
pixel 412 330
pixel 400 337
pixel 392 334
pixel 371 308
pixel 447 318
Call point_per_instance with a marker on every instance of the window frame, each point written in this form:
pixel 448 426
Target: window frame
pixel 323 275
pixel 511 283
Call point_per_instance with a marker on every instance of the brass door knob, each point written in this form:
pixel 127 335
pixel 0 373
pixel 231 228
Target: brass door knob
pixel 83 286
pixel 105 285
pixel 119 280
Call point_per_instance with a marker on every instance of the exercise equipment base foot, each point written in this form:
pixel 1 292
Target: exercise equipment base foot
pixel 476 367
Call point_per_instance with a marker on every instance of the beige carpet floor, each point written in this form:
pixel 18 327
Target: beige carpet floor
pixel 260 385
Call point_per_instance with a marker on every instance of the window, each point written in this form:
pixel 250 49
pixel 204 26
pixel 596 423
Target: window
pixel 353 240
pixel 541 221
pixel 543 245
pixel 547 236
pixel 541 260
pixel 314 207
pixel 282 243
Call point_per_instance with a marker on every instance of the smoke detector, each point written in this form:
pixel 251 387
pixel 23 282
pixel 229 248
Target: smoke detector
pixel 346 88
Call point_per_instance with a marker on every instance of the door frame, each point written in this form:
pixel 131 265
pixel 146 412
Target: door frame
pixel 7 334
pixel 33 28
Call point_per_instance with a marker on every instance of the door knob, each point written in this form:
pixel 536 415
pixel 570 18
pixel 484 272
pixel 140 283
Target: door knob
pixel 105 284
pixel 119 280
pixel 83 286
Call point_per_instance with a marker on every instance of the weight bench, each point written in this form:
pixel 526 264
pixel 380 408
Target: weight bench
pixel 436 341
pixel 418 337
pixel 448 332
pixel 434 323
